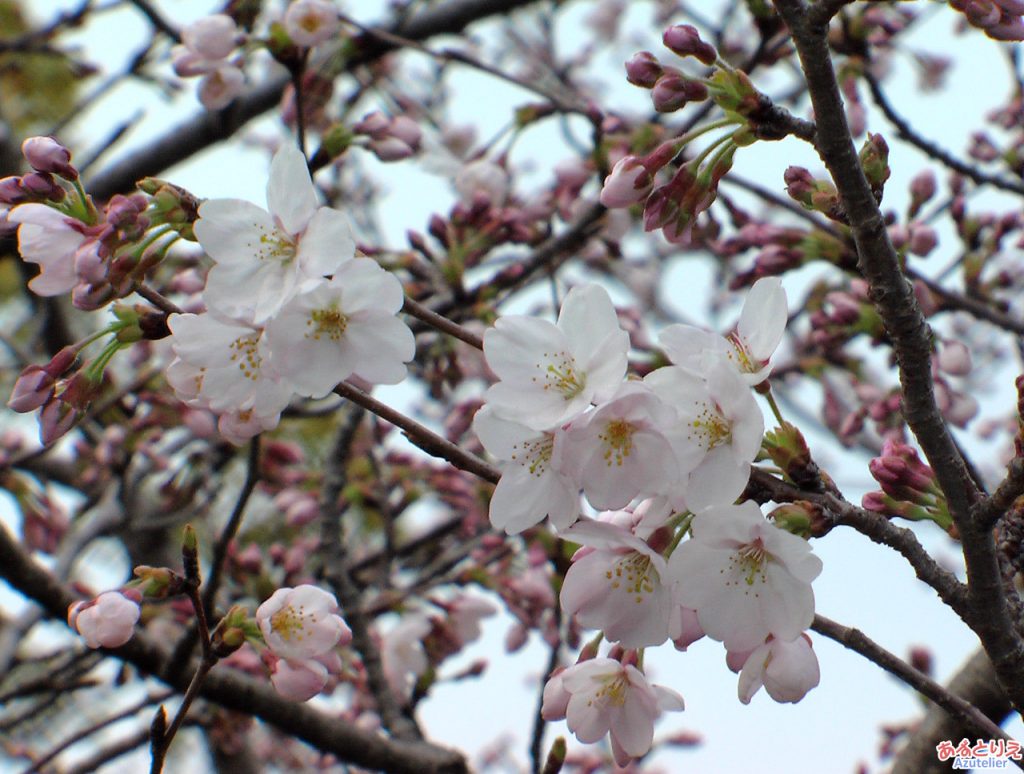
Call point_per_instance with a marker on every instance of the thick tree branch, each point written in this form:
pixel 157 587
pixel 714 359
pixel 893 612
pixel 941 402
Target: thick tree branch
pixel 969 717
pixel 235 691
pixel 976 684
pixel 988 611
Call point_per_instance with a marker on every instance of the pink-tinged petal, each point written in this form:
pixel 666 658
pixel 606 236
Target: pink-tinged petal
pixel 792 671
pixel 290 193
pixel 763 319
pixel 555 700
pixel 634 726
pixel 299 680
pixel 589 722
pixel 788 606
pixel 327 244
pixel 515 346
pixel 595 338
pixel 752 674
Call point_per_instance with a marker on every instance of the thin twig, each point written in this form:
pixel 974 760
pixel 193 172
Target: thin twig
pixel 427 440
pixel 441 323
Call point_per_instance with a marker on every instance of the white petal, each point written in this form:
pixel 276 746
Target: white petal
pixel 230 229
pixel 763 319
pixel 290 193
pixel 326 244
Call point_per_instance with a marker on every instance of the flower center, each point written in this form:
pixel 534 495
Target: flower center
pixel 290 622
pixel 618 441
pixel 709 428
pixel 273 246
pixel 740 355
pixel 750 560
pixel 560 375
pixel 634 570
pixel 612 691
pixel 535 455
pixel 326 322
pixel 244 352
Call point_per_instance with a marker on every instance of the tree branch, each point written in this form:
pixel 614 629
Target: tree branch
pixel 988 611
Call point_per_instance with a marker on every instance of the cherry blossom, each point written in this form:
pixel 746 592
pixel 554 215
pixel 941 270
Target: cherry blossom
pixel 263 258
pixel 786 669
pixel 620 450
pixel 551 373
pixel 402 655
pixel 745 577
pixel 465 614
pixel 607 697
pixel 342 326
pixel 105 622
pixel 224 366
pixel 530 488
pixel 311 22
pixel 716 435
pixel 211 37
pixel 301 623
pixel 50 239
pixel 617 584
pixel 749 348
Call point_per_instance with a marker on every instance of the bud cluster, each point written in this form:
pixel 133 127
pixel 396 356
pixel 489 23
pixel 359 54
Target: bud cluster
pixel 909 488
pixel 999 19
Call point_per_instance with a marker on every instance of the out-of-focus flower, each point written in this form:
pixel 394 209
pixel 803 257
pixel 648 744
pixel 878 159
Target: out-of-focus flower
pixel 105 622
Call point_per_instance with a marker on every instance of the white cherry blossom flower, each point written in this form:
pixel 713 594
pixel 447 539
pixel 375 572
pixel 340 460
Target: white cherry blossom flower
pixel 607 697
pixel 465 614
pixel 401 653
pixel 263 258
pixel 105 622
pixel 311 22
pixel 211 37
pixel 749 348
pixel 225 366
pixel 49 238
pixel 530 488
pixel 301 623
pixel 745 577
pixel 219 86
pixel 716 435
pixel 620 450
pixel 787 670
pixel 551 373
pixel 343 326
pixel 617 583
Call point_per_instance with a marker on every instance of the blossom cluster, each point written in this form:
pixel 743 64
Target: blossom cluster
pixel 662 458
pixel 274 323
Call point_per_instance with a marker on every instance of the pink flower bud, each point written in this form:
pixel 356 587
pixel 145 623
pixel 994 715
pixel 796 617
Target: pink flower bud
pixel 673 90
pixel 11 191
pixel 390 149
pixel 45 154
pixel 33 388
pixel 406 130
pixel 188 63
pixel 212 37
pixel 42 187
pixel 923 186
pixel 684 40
pixel 628 183
pixel 55 420
pixel 954 358
pixel 105 622
pixel 643 69
pixel 374 124
pixel 923 239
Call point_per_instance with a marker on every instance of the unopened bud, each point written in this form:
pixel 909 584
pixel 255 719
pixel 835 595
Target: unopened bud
pixel 684 40
pixel 643 69
pixel 44 154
